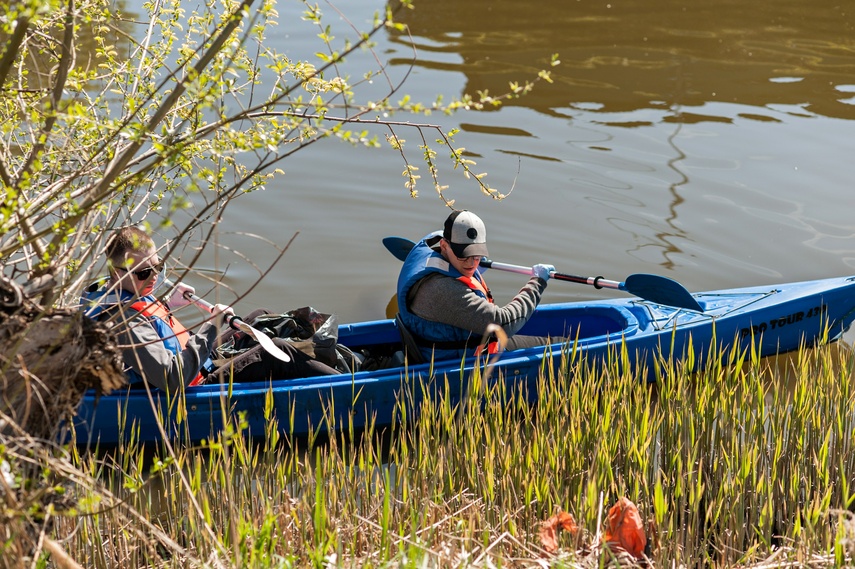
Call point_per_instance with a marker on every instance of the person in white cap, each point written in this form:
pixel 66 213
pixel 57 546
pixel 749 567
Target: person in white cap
pixel 444 303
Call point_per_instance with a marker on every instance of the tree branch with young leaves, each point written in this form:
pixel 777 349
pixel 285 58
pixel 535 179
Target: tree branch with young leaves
pixel 110 118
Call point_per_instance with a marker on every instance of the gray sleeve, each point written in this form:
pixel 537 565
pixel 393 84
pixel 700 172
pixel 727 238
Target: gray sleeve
pixel 443 299
pixel 143 351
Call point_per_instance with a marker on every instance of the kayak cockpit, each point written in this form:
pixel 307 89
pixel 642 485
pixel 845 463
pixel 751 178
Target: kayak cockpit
pixel 593 322
pixel 582 324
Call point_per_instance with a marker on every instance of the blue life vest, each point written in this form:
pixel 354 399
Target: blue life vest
pixel 451 341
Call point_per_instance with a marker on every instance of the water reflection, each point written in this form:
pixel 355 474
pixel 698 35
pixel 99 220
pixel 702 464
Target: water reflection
pixel 654 96
pixel 633 54
pixel 42 46
pixel 677 199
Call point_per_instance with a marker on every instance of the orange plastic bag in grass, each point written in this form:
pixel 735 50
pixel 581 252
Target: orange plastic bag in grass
pixel 625 529
pixel 550 528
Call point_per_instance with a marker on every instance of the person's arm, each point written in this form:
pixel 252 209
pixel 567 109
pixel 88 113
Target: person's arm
pixel 144 351
pixel 444 299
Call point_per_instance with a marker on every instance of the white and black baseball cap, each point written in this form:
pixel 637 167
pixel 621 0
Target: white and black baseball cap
pixel 466 234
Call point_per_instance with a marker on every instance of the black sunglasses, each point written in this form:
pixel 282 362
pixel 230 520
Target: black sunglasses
pixel 143 274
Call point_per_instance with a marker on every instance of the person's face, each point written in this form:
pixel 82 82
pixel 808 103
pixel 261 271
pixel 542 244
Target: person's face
pixel 466 265
pixel 138 273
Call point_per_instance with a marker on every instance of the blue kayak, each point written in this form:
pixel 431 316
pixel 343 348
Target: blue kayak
pixel 773 319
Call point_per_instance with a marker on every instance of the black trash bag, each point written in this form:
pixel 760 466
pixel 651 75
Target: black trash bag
pixel 313 333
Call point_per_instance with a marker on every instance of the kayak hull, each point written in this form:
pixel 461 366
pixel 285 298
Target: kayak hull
pixel 769 319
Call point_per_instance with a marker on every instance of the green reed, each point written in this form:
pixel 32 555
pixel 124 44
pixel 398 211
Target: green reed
pixel 744 461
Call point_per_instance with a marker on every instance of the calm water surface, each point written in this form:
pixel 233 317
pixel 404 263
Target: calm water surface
pixel 708 142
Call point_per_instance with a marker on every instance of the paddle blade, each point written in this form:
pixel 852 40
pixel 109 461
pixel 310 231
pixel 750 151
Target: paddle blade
pixel 264 340
pixel 400 247
pixel 661 290
pixel 392 307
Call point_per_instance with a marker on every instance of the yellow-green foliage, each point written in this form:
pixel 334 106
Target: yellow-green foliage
pixel 728 466
pixel 109 117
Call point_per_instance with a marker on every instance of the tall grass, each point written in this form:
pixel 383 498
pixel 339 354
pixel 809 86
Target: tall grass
pixel 748 462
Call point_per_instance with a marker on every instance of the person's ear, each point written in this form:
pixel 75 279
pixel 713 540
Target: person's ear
pixel 111 270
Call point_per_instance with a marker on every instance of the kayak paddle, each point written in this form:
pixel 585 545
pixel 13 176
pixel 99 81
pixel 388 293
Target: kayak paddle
pixel 238 324
pixel 654 288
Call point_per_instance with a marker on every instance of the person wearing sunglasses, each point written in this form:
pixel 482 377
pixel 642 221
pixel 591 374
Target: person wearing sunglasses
pixel 444 304
pixel 158 348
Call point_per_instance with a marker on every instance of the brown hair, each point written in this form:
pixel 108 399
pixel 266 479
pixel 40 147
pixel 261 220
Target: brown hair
pixel 127 239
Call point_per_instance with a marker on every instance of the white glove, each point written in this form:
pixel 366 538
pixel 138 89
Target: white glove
pixel 223 310
pixel 178 298
pixel 543 271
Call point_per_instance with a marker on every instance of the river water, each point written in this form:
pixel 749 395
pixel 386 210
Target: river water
pixel 710 142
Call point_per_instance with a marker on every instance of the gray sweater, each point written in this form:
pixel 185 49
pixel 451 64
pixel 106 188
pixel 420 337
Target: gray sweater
pixel 144 351
pixel 440 298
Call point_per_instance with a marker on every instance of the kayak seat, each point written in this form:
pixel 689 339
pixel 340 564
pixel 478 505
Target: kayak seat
pixel 411 348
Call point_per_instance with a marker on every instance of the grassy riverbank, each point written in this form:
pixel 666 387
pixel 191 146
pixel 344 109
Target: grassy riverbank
pixel 741 465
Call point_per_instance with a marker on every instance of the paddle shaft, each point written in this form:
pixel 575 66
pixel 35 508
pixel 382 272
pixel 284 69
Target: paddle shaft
pixel 654 288
pixel 238 324
pixel 400 247
pixel 202 303
pixel 596 282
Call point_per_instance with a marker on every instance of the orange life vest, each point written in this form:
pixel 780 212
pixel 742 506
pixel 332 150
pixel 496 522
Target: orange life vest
pixel 158 310
pixel 481 286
